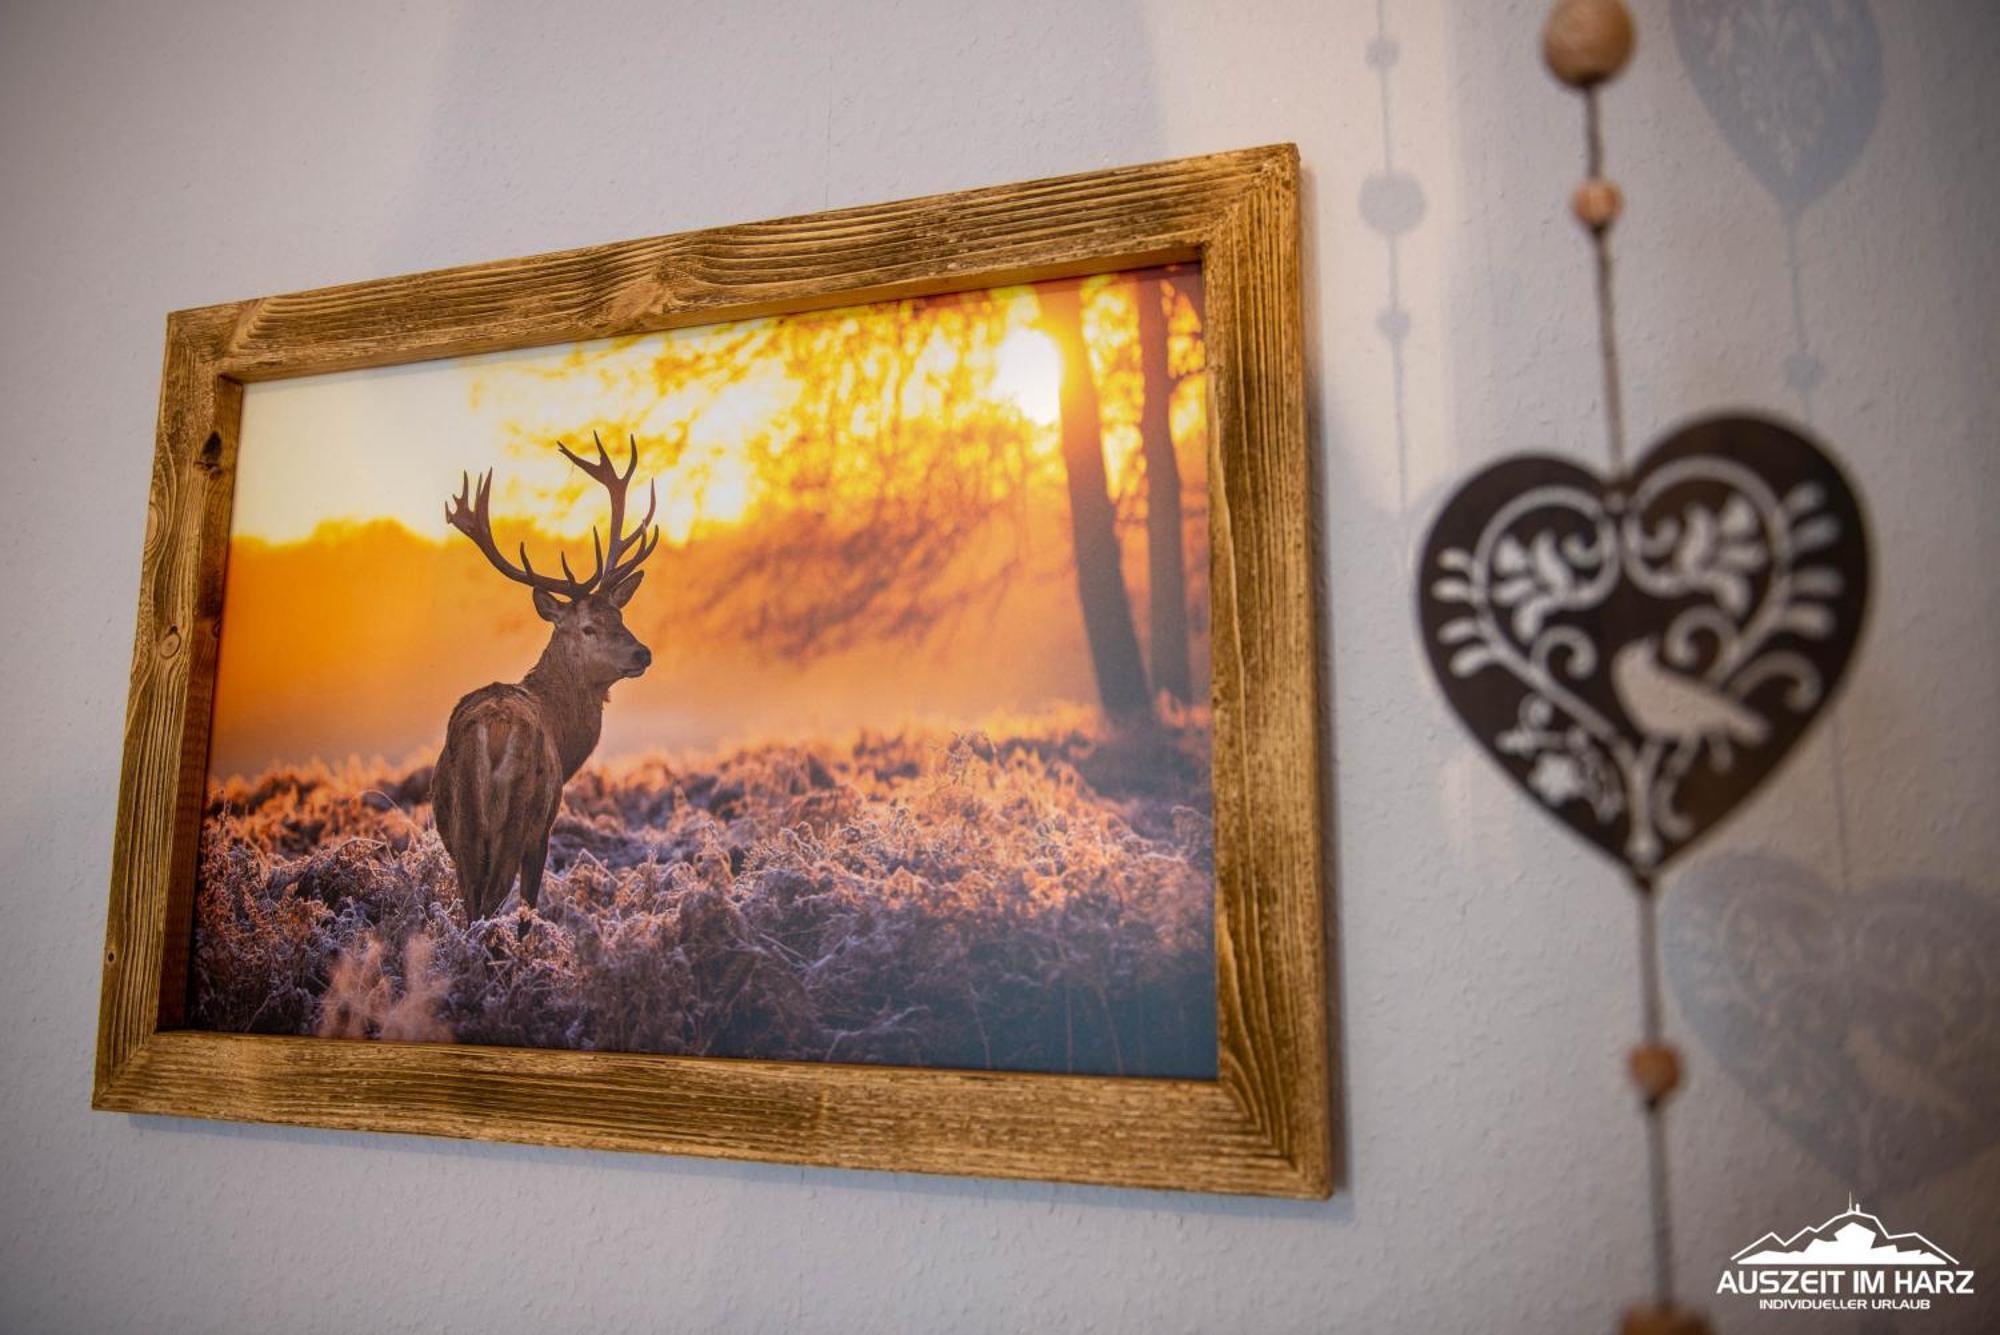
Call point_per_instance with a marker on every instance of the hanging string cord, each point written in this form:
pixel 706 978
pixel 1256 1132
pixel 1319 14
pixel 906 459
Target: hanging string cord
pixel 1650 1005
pixel 1649 959
pixel 1650 1008
pixel 1607 331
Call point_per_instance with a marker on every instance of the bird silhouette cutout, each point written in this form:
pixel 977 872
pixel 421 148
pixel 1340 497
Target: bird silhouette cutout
pixel 1666 703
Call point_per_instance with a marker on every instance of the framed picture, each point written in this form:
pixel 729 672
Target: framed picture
pixel 840 690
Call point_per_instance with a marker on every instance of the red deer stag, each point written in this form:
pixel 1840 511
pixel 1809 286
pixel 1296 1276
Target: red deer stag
pixel 510 747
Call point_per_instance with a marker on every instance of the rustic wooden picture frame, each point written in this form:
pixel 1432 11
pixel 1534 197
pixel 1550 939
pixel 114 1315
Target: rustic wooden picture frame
pixel 1263 1126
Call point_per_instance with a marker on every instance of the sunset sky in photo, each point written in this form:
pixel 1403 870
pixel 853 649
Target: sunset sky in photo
pixel 862 510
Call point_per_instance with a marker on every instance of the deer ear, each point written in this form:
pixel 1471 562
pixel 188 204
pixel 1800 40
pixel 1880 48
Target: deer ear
pixel 628 586
pixel 546 605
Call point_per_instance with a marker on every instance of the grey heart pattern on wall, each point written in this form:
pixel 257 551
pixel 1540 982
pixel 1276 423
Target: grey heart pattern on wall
pixel 1867 1025
pixel 1794 85
pixel 1639 654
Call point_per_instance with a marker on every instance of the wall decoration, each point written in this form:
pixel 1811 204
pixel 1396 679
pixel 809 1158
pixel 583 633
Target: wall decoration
pixel 1640 654
pixel 810 721
pixel 748 693
pixel 1640 651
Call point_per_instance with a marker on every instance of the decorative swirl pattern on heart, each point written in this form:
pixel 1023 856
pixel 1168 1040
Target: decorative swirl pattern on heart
pixel 1640 654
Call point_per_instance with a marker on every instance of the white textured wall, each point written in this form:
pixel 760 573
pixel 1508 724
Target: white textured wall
pixel 154 156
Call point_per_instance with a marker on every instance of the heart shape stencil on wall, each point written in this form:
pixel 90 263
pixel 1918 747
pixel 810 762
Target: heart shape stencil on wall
pixel 1639 654
pixel 1867 1025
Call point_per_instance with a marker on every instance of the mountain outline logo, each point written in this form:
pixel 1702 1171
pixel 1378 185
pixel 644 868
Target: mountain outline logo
pixel 1852 1237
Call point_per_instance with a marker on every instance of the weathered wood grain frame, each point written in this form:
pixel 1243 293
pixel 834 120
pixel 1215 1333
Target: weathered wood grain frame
pixel 1261 1127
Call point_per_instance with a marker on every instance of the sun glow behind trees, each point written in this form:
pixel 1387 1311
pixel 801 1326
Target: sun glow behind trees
pixel 1028 370
pixel 864 512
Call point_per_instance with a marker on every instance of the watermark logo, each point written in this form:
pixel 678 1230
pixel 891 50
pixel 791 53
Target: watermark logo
pixel 1849 1263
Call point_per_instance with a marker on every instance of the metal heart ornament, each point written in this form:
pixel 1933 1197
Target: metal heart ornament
pixel 1640 653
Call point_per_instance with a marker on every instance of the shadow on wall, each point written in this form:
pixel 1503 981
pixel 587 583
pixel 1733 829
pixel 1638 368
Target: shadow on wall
pixel 1867 1025
pixel 1796 88
pixel 1392 203
pixel 527 1158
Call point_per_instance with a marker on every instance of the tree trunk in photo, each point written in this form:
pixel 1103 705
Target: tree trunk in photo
pixel 1100 582
pixel 1166 571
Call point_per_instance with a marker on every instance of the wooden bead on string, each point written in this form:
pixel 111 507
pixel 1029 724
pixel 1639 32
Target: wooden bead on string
pixel 1663 1321
pixel 1597 203
pixel 1656 1070
pixel 1586 42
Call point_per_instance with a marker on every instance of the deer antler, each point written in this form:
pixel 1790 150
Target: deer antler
pixel 613 560
pixel 469 513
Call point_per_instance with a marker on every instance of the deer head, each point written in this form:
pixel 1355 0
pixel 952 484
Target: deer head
pixel 590 643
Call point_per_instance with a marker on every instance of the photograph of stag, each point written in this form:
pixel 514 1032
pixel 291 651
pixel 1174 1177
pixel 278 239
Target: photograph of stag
pixel 901 756
pixel 510 747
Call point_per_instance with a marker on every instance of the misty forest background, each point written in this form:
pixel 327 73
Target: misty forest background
pixel 921 775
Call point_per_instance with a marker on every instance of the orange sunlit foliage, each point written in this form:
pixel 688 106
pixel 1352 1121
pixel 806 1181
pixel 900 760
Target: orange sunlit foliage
pixel 864 517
